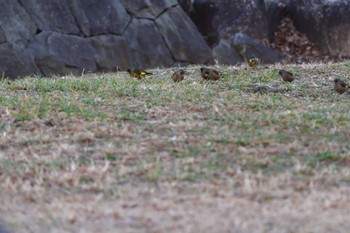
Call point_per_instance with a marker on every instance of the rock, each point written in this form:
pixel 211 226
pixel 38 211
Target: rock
pixel 224 53
pixel 2 36
pixel 112 52
pixel 182 37
pixel 247 47
pixel 100 17
pixel 220 19
pixel 275 11
pixel 148 8
pixel 16 24
pixel 61 54
pixel 2 229
pixel 69 36
pixel 326 23
pixel 16 62
pixel 180 64
pixel 147 47
pixel 54 15
pixel 186 5
pixel 203 15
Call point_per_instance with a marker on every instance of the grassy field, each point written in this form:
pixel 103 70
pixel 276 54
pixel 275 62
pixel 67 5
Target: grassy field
pixel 108 153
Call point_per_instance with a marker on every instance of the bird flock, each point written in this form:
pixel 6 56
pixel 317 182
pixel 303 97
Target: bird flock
pixel 340 86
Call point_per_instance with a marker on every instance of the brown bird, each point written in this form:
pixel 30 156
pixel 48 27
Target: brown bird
pixel 286 75
pixel 179 75
pixel 139 74
pixel 340 86
pixel 210 74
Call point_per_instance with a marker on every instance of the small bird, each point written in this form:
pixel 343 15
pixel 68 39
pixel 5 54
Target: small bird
pixel 210 74
pixel 138 73
pixel 253 61
pixel 340 86
pixel 286 75
pixel 178 75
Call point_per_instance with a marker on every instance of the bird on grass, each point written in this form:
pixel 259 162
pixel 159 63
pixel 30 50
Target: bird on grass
pixel 286 75
pixel 253 61
pixel 179 75
pixel 340 86
pixel 210 74
pixel 138 73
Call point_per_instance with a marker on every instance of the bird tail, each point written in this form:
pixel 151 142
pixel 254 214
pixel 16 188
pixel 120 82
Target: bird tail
pixel 145 73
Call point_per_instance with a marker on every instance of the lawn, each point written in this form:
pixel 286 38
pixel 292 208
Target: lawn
pixel 110 153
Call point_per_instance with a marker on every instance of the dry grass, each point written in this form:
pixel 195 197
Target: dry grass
pixel 107 153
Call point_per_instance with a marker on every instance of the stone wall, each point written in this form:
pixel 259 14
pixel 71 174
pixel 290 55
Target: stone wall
pixel 326 23
pixel 73 36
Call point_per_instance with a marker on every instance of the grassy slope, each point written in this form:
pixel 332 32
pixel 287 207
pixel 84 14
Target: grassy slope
pixel 158 156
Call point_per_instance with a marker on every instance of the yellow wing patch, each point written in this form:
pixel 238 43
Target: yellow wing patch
pixel 253 61
pixel 138 73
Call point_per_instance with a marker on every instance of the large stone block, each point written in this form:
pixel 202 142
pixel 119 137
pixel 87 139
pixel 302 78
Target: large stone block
pixel 100 17
pixel 224 53
pixel 2 36
pixel 148 8
pixel 16 62
pixel 53 15
pixel 186 5
pixel 326 23
pixel 56 53
pixel 2 229
pixel 147 47
pixel 246 47
pixel 182 37
pixel 220 19
pixel 112 52
pixel 275 11
pixel 15 22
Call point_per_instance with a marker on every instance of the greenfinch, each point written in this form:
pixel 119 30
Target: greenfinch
pixel 179 75
pixel 340 86
pixel 210 74
pixel 286 75
pixel 138 73
pixel 253 61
